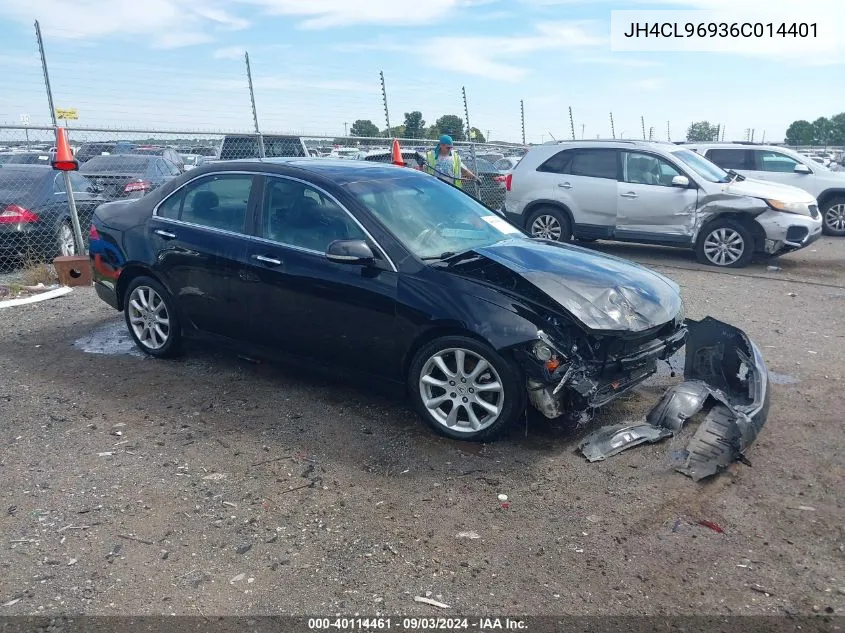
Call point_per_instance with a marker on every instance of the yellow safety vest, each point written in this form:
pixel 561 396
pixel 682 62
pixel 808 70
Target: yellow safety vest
pixel 431 159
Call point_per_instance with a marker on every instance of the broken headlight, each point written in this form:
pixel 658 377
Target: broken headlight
pixel 681 316
pixel 541 351
pixel 800 208
pixel 616 306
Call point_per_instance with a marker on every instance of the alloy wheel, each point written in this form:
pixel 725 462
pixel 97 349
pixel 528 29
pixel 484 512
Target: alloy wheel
pixel 461 390
pixel 547 227
pixel 148 317
pixel 67 243
pixel 724 247
pixel 834 217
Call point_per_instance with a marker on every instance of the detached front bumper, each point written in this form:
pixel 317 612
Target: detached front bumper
pixel 786 232
pixel 723 367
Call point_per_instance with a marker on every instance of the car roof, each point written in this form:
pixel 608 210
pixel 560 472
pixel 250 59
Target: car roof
pixel 338 171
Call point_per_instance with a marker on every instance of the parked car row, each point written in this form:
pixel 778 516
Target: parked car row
pixel 671 195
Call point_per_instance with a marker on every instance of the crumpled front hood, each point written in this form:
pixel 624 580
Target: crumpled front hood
pixel 767 189
pixel 603 292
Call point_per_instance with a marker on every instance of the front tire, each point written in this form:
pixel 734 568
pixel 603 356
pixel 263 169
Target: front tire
pixel 726 244
pixel 551 224
pixel 465 390
pixel 151 318
pixel 833 217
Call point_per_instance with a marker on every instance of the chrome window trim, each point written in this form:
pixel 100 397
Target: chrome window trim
pixel 263 239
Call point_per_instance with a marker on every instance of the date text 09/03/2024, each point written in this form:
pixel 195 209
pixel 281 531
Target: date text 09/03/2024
pixel 416 624
pixel 722 29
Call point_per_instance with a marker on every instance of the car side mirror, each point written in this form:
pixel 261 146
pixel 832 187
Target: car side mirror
pixel 680 181
pixel 350 252
pixel 802 169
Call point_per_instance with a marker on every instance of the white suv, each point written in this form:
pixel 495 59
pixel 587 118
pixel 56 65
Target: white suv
pixel 656 193
pixel 779 164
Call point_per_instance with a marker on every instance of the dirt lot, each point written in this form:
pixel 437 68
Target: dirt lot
pixel 212 485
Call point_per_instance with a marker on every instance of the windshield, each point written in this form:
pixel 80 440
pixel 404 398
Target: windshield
pixel 701 166
pixel 431 218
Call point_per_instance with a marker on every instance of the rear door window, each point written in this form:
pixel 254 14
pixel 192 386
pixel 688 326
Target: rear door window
pixel 729 158
pixel 594 163
pixel 218 202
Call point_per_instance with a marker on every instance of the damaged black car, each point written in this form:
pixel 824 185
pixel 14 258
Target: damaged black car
pixel 391 272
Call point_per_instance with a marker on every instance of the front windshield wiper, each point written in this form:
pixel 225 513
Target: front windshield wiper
pixel 733 176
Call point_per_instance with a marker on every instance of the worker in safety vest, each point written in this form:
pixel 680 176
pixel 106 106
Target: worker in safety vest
pixel 446 164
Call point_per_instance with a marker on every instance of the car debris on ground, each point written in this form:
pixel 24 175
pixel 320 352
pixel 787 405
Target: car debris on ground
pixel 723 366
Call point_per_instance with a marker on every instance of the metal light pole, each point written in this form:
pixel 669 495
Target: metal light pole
pixel 384 98
pixel 74 215
pixel 612 128
pixel 522 116
pixel 254 111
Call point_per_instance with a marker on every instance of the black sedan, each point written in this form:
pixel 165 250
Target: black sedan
pixel 34 213
pixel 388 271
pixel 128 175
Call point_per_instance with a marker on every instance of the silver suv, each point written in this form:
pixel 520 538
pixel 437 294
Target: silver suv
pixel 656 193
pixel 783 165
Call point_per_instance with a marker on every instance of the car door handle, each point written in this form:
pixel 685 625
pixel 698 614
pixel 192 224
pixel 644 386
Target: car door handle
pixel 268 260
pixel 165 234
pixel 564 185
pixel 630 194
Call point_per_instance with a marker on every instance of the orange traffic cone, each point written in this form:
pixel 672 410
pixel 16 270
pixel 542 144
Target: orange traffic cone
pixel 63 160
pixel 397 154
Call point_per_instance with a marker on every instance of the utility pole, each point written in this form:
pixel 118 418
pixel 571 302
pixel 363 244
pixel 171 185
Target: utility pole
pixel 254 111
pixel 668 132
pixel 345 133
pixel 612 129
pixel 642 122
pixel 752 135
pixel 651 133
pixel 571 123
pixel 582 131
pixel 522 116
pixel 763 140
pixel 384 98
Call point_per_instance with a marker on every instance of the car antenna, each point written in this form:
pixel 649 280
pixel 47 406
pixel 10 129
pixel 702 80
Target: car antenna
pixel 553 136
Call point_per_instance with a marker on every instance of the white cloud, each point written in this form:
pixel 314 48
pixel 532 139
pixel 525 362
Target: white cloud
pixel 229 52
pixel 164 23
pixel 618 60
pixel 649 83
pixel 322 14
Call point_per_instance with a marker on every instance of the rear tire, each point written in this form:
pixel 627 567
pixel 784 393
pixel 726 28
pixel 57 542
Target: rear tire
pixel 464 389
pixel 151 318
pixel 725 244
pixel 833 217
pixel 65 240
pixel 551 224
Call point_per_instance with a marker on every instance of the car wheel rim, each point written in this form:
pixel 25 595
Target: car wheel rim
pixel 148 317
pixel 834 217
pixel 547 227
pixel 67 246
pixel 724 247
pixel 461 390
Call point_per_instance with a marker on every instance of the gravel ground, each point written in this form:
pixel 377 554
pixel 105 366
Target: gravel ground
pixel 218 486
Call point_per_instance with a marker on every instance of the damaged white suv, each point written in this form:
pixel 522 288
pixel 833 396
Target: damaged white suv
pixel 657 193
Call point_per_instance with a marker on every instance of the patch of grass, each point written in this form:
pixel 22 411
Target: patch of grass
pixel 39 273
pixel 15 290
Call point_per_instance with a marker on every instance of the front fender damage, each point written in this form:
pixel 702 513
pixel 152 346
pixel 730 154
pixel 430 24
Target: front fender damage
pixel 723 367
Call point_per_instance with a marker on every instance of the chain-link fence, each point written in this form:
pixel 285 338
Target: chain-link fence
pixel 35 216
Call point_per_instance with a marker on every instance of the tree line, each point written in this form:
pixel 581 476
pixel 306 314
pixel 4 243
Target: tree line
pixel 822 131
pixel 414 126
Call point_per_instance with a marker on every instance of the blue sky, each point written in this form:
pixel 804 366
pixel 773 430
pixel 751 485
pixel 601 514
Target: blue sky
pixel 178 64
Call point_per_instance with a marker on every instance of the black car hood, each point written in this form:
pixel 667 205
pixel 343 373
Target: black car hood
pixel 601 291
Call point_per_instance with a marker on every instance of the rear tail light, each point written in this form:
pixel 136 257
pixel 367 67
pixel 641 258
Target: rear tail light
pixel 16 214
pixel 508 181
pixel 93 235
pixel 500 178
pixel 137 185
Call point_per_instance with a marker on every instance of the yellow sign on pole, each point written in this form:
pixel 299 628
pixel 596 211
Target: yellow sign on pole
pixel 67 114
